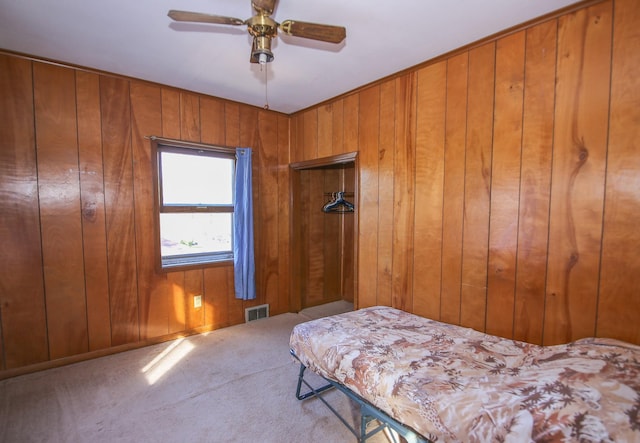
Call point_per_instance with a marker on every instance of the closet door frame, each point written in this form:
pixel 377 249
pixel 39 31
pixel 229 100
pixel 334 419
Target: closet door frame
pixel 297 244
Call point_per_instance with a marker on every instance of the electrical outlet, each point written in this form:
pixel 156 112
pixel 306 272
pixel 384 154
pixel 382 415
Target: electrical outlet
pixel 197 301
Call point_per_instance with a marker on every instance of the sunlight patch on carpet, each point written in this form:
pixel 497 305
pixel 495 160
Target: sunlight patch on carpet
pixel 166 360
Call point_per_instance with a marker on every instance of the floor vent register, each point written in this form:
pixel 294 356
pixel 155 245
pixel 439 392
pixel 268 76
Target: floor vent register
pixel 256 313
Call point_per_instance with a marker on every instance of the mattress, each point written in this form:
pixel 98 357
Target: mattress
pixel 456 384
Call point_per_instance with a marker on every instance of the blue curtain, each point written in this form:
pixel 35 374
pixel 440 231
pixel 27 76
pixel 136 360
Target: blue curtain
pixel 243 255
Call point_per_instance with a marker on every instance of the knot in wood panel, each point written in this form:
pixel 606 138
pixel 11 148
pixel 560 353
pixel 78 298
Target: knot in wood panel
pixel 89 211
pixel 573 260
pixel 583 155
pixel 583 152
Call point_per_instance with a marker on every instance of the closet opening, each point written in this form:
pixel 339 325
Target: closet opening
pixel 324 211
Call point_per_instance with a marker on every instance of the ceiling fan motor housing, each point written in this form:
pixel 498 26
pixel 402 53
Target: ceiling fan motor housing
pixel 263 28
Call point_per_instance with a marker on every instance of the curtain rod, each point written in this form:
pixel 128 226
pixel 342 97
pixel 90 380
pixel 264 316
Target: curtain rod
pixel 185 143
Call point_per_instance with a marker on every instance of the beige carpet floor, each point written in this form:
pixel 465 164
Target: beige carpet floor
pixel 230 385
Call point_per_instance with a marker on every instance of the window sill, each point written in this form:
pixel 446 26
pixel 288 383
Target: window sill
pixel 195 262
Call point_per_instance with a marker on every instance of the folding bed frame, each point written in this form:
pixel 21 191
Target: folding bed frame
pixel 431 381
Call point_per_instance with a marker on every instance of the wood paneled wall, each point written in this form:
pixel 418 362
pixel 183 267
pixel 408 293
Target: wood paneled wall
pixel 499 186
pixel 499 189
pixel 76 195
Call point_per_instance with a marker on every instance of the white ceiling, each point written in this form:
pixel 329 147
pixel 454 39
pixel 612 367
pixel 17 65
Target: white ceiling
pixel 136 38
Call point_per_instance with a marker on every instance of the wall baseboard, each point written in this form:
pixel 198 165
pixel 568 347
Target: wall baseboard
pixel 50 364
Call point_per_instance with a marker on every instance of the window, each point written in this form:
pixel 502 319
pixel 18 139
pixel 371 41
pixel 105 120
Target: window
pixel 195 203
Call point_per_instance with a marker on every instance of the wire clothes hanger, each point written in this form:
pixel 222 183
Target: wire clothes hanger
pixel 338 204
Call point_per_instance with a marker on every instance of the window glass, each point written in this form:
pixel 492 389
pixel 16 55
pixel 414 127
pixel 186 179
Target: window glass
pixel 189 179
pixel 189 233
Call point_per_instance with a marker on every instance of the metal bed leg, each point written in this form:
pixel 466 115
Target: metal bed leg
pixel 368 413
pixel 312 391
pixel 365 419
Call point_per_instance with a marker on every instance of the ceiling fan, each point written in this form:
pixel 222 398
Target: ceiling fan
pixel 263 28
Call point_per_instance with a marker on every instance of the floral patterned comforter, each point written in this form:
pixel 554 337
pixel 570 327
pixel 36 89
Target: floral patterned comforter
pixel 454 384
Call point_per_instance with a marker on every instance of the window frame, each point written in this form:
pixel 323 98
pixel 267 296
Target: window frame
pixel 187 261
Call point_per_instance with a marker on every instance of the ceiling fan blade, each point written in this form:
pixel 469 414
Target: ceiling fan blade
pixel 266 6
pixel 186 16
pixel 314 31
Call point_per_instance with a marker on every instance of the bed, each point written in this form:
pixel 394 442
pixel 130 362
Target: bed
pixel 438 382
